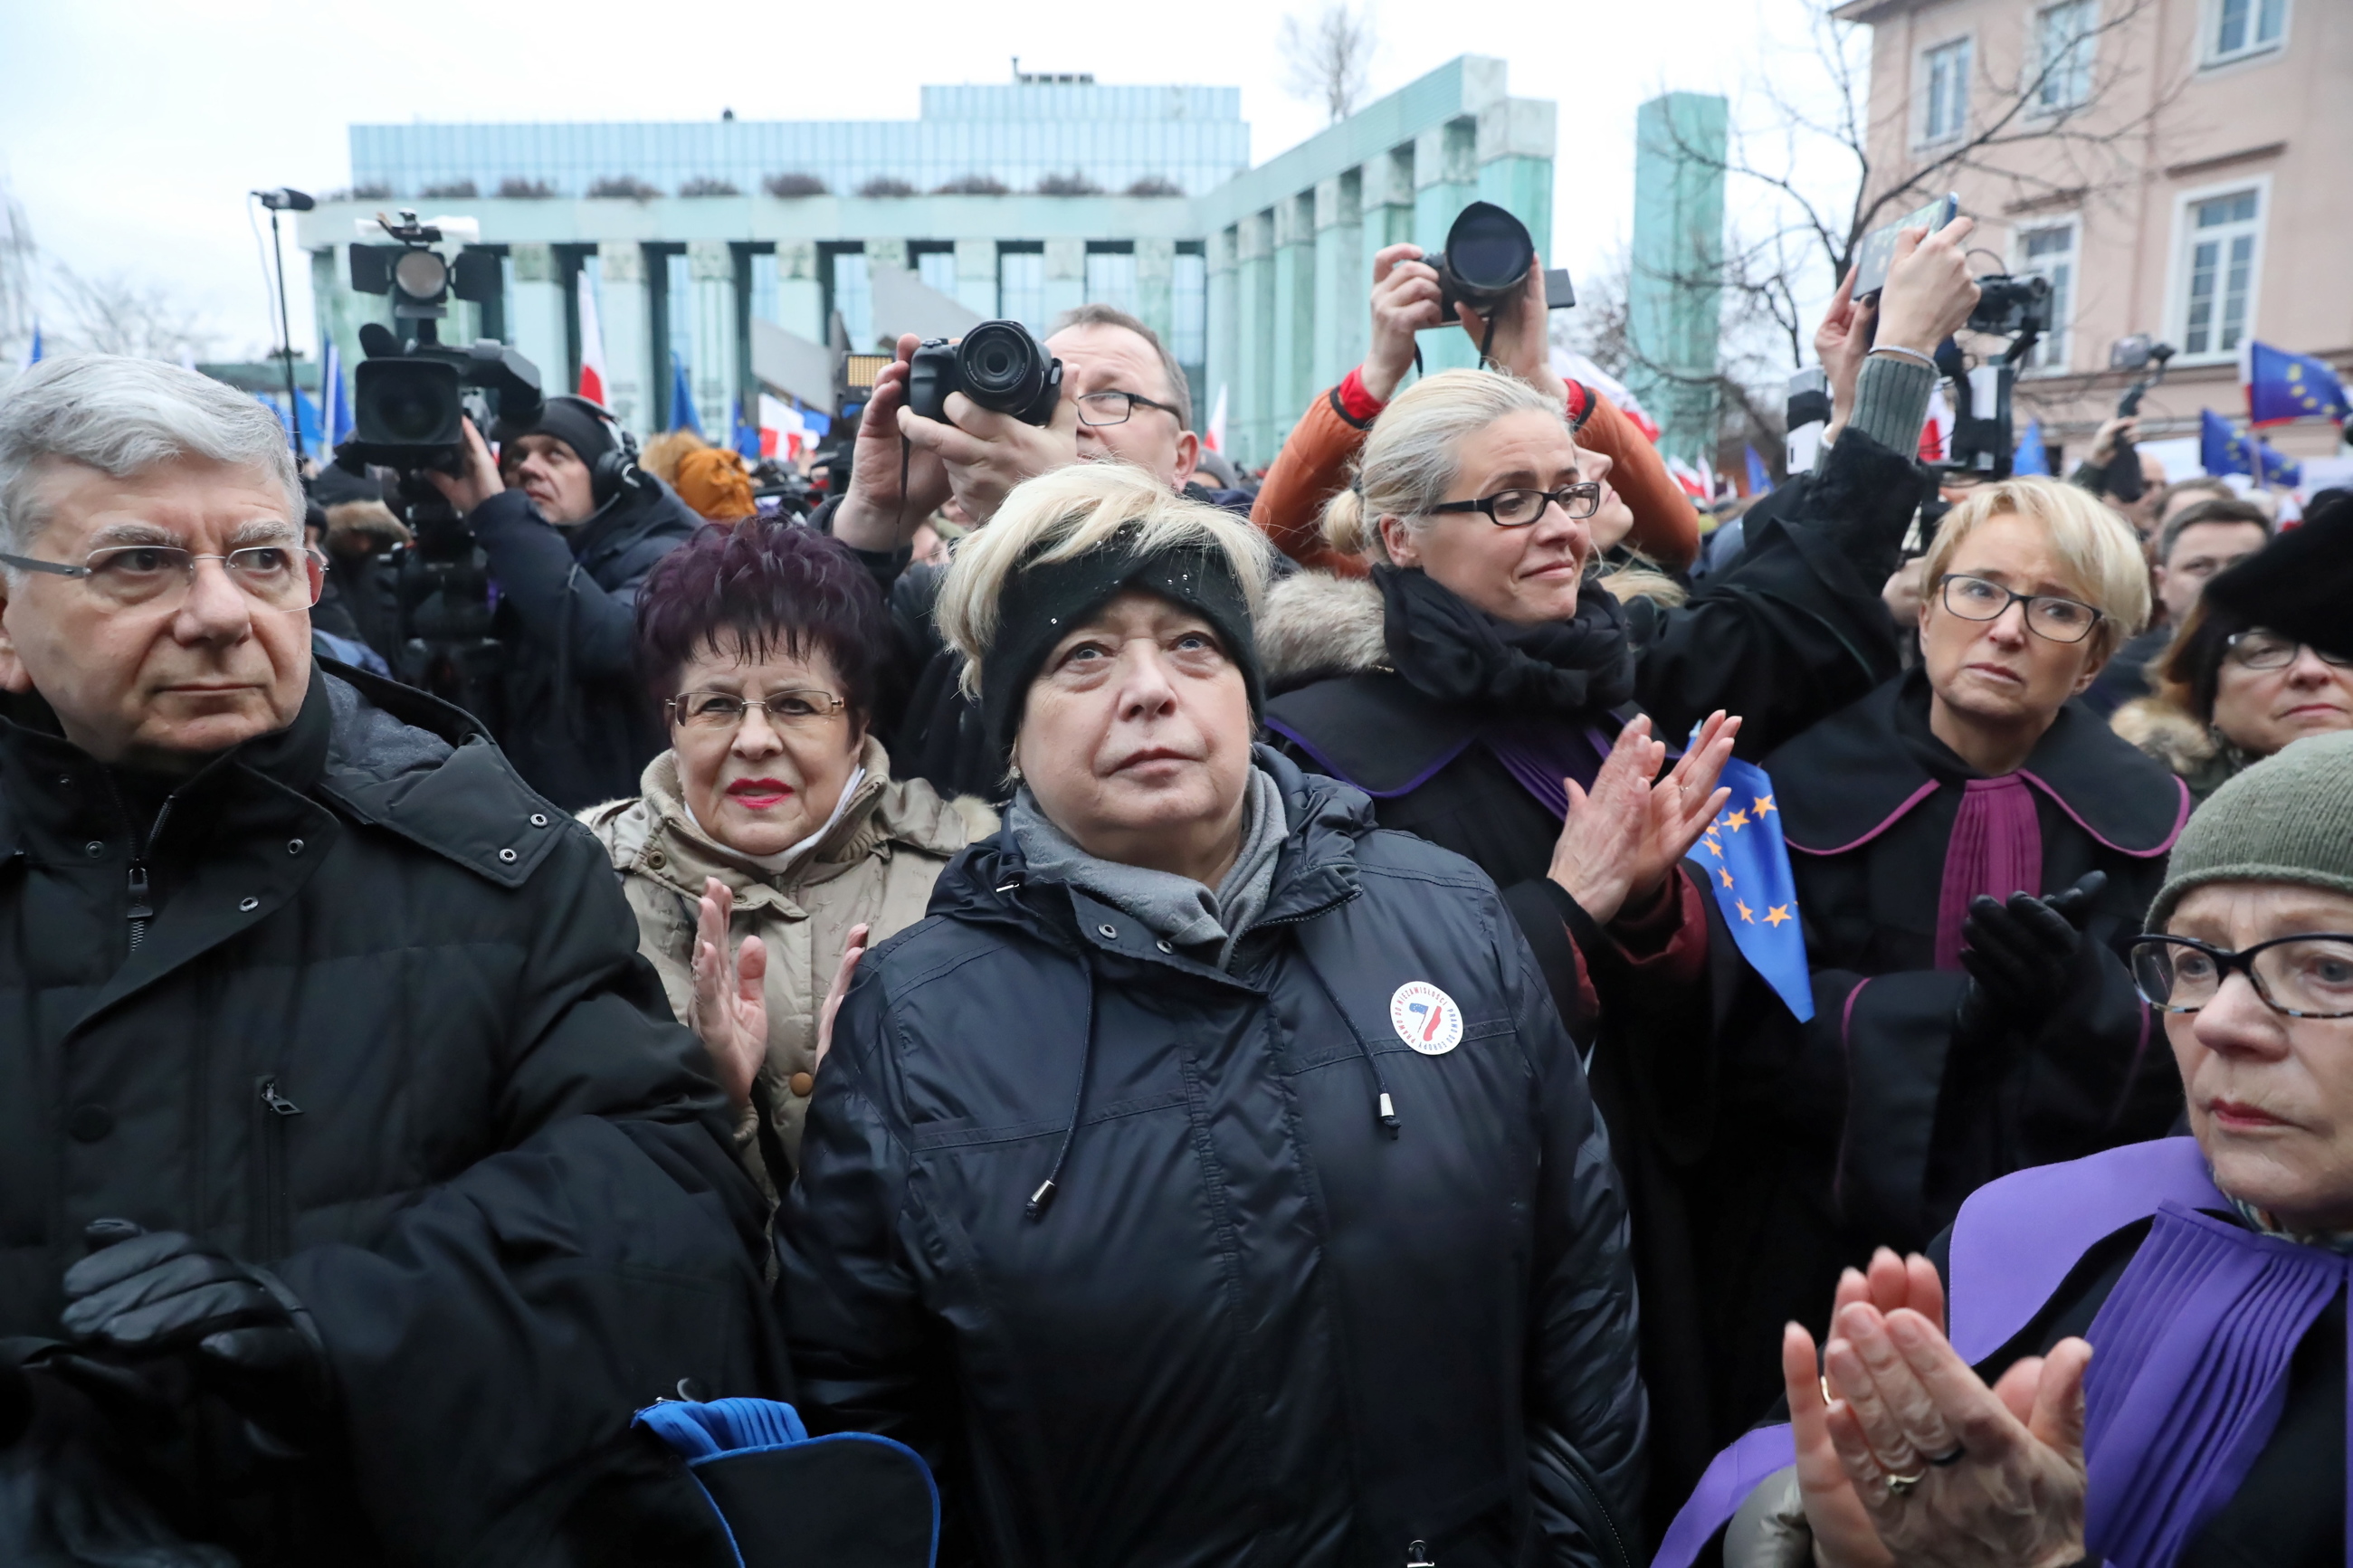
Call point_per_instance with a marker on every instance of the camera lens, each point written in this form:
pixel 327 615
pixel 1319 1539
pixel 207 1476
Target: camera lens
pixel 1001 366
pixel 406 402
pixel 1489 253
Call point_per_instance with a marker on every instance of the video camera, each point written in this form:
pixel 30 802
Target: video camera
pixel 2013 307
pixel 410 398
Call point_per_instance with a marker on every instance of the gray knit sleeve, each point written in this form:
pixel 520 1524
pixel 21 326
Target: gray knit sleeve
pixel 1891 402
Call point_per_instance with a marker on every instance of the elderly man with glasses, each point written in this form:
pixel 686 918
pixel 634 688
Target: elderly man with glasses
pixel 355 1184
pixel 1125 399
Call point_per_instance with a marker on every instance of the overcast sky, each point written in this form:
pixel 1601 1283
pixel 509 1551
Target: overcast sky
pixel 131 130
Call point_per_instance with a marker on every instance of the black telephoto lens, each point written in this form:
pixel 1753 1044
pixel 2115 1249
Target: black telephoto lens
pixel 1003 368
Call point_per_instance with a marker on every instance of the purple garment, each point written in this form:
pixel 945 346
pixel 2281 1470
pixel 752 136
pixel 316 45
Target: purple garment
pixel 1539 755
pixel 2191 1374
pixel 1996 849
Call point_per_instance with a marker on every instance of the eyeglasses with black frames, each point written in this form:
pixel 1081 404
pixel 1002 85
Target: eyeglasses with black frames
pixel 2306 976
pixel 2048 615
pixel 1099 409
pixel 2269 650
pixel 1519 507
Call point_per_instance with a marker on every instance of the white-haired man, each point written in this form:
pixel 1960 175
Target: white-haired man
pixel 355 1182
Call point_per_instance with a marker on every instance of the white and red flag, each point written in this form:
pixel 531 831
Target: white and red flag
pixel 591 343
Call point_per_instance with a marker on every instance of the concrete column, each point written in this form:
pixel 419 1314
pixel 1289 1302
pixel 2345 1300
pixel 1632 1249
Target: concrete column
pixel 1294 313
pixel 1343 278
pixel 800 294
pixel 715 371
pixel 1516 140
pixel 976 277
pixel 1253 414
pixel 1155 276
pixel 343 313
pixel 1066 277
pixel 625 316
pixel 1388 202
pixel 1673 303
pixel 535 313
pixel 886 253
pixel 1446 180
pixel 1221 371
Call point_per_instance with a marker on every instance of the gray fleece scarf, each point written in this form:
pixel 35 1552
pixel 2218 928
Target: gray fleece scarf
pixel 1180 909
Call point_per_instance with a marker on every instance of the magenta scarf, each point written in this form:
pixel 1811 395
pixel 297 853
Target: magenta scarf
pixel 1996 849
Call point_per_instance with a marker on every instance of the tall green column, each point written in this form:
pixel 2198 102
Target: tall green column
pixel 1223 371
pixel 1253 417
pixel 1674 293
pixel 1342 279
pixel 1294 313
pixel 1446 180
pixel 1156 277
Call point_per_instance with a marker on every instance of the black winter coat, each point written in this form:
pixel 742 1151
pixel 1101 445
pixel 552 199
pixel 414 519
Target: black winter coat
pixel 388 1033
pixel 1250 1326
pixel 574 713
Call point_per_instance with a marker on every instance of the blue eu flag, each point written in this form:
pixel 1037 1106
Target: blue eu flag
pixel 682 399
pixel 1748 871
pixel 2030 458
pixel 2220 451
pixel 2282 386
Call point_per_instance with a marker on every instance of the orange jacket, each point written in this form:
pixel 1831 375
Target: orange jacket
pixel 1314 463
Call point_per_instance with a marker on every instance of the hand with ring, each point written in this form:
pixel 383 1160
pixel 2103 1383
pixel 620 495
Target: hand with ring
pixel 1905 1455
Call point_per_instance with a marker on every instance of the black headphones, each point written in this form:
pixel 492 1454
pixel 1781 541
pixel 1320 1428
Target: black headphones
pixel 615 473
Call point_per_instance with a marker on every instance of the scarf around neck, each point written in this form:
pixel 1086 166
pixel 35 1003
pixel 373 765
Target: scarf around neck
pixel 1448 648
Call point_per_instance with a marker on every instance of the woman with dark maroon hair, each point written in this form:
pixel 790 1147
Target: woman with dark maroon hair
pixel 769 842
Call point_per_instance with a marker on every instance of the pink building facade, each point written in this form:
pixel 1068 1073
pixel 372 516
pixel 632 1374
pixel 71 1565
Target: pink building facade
pixel 2182 168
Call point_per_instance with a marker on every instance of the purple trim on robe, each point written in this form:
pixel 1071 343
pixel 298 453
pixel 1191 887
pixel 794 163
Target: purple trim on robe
pixel 1734 1474
pixel 2190 1378
pixel 2180 817
pixel 2016 1238
pixel 1996 849
pixel 1411 784
pixel 1893 818
pixel 1539 755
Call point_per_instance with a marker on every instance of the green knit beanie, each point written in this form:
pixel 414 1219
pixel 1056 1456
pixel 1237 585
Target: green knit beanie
pixel 2289 818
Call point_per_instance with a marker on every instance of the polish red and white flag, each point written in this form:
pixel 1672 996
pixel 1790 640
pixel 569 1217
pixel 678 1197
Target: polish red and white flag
pixel 591 343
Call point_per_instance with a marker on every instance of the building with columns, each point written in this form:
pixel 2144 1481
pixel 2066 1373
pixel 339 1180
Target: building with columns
pixel 1019 200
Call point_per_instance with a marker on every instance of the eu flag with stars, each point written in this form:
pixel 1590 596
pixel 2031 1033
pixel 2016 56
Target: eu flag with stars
pixel 2222 452
pixel 2282 386
pixel 1748 871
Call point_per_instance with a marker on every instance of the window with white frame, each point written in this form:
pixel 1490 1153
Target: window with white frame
pixel 2050 249
pixel 2063 41
pixel 2221 239
pixel 2244 27
pixel 1945 82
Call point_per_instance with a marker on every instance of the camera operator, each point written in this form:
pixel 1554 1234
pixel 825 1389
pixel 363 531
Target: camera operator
pixel 570 525
pixel 1123 398
pixel 2092 474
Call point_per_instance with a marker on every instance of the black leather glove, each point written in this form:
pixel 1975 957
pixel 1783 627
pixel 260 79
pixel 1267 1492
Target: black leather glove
pixel 2021 955
pixel 164 1293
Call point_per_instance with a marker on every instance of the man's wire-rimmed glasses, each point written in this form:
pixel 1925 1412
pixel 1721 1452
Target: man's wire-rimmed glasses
pixel 133 576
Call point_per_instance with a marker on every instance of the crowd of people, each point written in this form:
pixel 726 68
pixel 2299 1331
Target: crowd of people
pixel 1217 1018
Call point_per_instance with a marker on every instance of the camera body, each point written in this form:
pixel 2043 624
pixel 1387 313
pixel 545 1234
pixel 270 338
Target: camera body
pixel 2009 307
pixel 408 397
pixel 997 364
pixel 1486 261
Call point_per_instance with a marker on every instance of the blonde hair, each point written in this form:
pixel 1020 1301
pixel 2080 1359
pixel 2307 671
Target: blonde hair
pixel 1412 457
pixel 2100 551
pixel 1067 513
pixel 663 454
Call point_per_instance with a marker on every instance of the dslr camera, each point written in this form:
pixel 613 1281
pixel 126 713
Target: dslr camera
pixel 1486 261
pixel 998 365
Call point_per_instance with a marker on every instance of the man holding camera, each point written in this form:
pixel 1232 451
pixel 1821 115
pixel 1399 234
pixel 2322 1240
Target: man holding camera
pixel 355 1182
pixel 570 525
pixel 1123 398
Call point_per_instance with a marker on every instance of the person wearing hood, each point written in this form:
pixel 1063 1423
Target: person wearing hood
pixel 770 838
pixel 570 525
pixel 1209 1179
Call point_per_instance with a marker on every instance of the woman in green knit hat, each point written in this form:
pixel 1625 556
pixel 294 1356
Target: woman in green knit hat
pixel 2145 1361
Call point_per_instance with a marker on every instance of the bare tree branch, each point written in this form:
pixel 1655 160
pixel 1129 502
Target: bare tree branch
pixel 114 315
pixel 1326 59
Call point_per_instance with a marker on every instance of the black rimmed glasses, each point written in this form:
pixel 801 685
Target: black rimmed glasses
pixel 138 576
pixel 713 711
pixel 2307 976
pixel 1517 509
pixel 1101 409
pixel 2048 615
pixel 2269 650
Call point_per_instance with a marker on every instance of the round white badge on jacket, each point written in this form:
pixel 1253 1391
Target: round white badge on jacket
pixel 1425 1018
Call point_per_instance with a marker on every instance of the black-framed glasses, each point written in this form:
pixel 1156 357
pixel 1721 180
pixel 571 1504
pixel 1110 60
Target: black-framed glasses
pixel 1101 408
pixel 2048 615
pixel 1517 509
pixel 2269 650
pixel 2305 976
pixel 135 577
pixel 718 710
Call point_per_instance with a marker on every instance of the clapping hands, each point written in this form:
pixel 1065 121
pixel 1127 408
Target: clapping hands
pixel 1622 838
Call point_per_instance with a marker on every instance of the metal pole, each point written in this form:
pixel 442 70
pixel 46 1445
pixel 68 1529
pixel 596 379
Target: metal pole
pixel 286 341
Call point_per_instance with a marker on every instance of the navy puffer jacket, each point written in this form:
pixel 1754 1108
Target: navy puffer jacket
pixel 1251 1323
